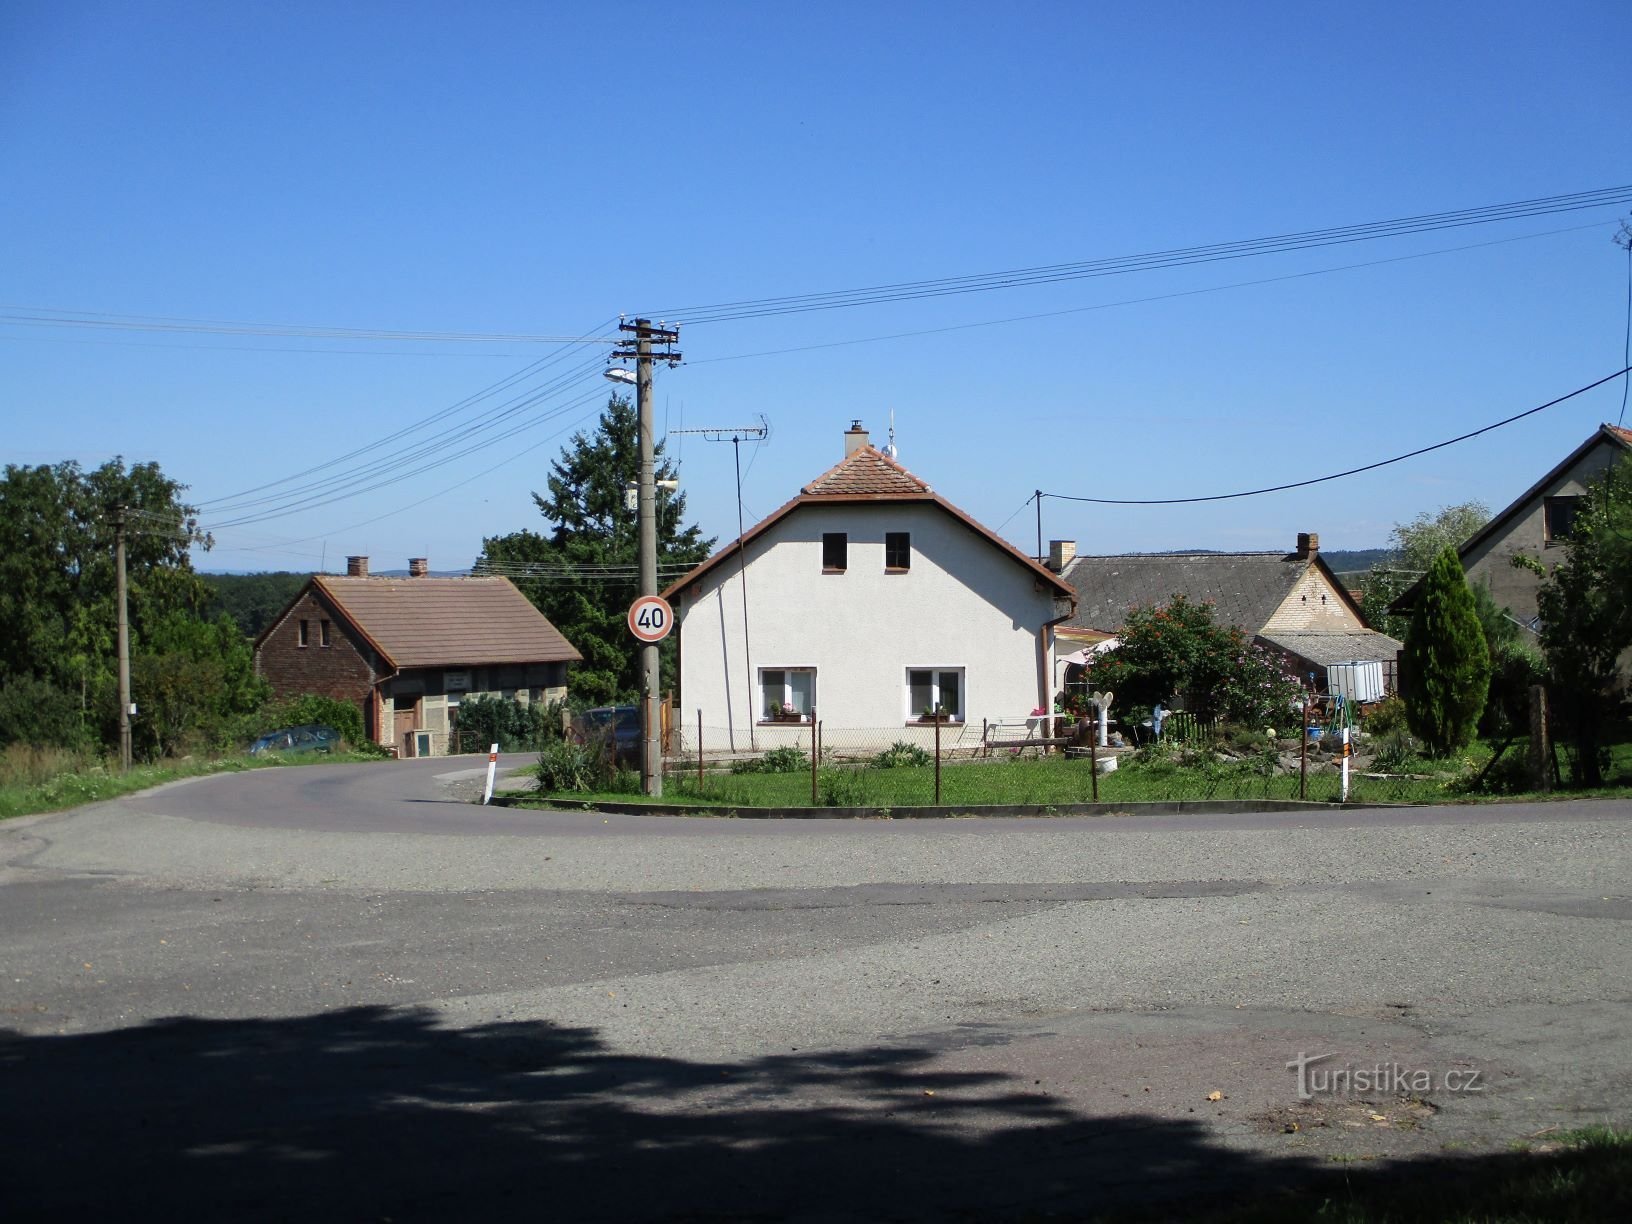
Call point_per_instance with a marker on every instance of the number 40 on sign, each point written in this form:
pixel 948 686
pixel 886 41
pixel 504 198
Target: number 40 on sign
pixel 651 618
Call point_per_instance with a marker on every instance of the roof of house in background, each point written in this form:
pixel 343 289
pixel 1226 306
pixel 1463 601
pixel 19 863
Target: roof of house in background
pixel 1328 646
pixel 1614 435
pixel 1245 589
pixel 869 475
pixel 446 622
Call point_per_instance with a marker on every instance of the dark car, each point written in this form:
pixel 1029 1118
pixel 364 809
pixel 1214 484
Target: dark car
pixel 310 738
pixel 617 726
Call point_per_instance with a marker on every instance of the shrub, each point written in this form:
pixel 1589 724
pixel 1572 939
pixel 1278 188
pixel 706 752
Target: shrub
pixel 1383 717
pixel 1447 660
pixel 786 759
pixel 566 766
pixel 344 716
pixel 514 727
pixel 841 788
pixel 901 755
pixel 35 713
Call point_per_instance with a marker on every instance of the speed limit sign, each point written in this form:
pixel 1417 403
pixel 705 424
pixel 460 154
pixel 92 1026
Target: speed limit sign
pixel 651 618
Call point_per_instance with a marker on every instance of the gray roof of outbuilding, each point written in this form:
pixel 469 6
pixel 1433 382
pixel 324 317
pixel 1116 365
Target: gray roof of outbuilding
pixel 1245 589
pixel 1325 648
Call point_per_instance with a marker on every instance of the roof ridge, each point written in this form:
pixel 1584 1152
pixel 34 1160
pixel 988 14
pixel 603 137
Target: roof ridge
pixel 872 457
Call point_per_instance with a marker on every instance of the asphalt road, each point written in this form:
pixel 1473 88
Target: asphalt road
pixel 341 992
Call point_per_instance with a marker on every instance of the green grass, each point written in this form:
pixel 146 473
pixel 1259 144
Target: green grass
pixel 33 782
pixel 1052 781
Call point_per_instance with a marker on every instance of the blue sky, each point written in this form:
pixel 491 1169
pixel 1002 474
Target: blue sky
pixel 537 169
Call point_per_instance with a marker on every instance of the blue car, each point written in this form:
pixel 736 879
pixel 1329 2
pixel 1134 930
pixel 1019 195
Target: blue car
pixel 310 738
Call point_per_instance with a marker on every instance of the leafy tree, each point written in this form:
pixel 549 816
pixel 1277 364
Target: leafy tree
pixel 252 600
pixel 1412 549
pixel 1446 658
pixel 57 599
pixel 1178 649
pixel 193 681
pixel 583 573
pixel 1586 620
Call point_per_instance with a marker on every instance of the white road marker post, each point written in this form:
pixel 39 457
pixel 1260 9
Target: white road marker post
pixel 492 767
pixel 1346 751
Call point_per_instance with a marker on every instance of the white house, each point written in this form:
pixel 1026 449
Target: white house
pixel 865 602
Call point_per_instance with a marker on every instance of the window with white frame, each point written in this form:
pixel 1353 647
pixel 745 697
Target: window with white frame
pixel 935 691
pixel 787 692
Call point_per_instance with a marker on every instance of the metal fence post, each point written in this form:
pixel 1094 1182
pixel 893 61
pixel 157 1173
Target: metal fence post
pixel 1303 753
pixel 815 758
pixel 937 762
pixel 1093 764
pixel 699 751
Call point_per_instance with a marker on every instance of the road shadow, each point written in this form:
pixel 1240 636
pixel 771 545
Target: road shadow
pixel 384 1114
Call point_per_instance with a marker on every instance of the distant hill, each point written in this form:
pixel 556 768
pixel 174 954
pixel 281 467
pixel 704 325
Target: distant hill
pixel 1354 560
pixel 252 599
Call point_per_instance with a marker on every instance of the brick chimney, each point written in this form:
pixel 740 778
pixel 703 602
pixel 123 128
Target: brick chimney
pixel 1060 553
pixel 1308 546
pixel 854 439
pixel 418 567
pixel 357 567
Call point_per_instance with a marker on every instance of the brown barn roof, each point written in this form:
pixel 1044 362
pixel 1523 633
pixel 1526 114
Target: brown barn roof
pixel 868 472
pixel 447 622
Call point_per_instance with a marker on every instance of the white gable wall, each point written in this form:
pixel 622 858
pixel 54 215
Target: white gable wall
pixel 962 604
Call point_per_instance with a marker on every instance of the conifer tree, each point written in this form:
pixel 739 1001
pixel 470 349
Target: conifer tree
pixel 1447 660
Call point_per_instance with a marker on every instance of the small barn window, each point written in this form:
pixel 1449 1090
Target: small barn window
pixel 1559 513
pixel 898 550
pixel 305 633
pixel 324 635
pixel 835 552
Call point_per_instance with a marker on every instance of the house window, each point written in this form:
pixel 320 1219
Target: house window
pixel 935 691
pixel 324 635
pixel 898 551
pixel 305 633
pixel 1559 515
pixel 835 550
pixel 787 692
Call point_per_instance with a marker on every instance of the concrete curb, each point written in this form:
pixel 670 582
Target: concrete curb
pixel 1149 808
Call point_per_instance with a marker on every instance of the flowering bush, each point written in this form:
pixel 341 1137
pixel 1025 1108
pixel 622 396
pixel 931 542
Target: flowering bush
pixel 1177 649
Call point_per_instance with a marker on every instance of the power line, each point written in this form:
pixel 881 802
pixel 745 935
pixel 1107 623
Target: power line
pixel 1176 257
pixel 1300 484
pixel 443 414
pixel 47 316
pixel 1142 301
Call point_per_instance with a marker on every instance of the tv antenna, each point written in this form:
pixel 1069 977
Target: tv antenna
pixel 737 435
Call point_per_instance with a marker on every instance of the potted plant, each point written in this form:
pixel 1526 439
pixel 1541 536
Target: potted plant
pixel 786 713
pixel 935 714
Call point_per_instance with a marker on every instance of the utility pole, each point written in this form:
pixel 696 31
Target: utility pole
pixel 124 638
pixel 645 335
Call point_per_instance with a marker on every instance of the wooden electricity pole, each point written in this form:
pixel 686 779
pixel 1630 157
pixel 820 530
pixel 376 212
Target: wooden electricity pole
pixel 645 335
pixel 124 637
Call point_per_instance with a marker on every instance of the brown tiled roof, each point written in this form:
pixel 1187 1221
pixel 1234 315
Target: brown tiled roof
pixel 868 475
pixel 866 472
pixel 1625 435
pixel 447 622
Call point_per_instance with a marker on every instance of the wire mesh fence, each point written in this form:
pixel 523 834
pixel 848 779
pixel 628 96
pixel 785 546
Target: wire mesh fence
pixel 1034 760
